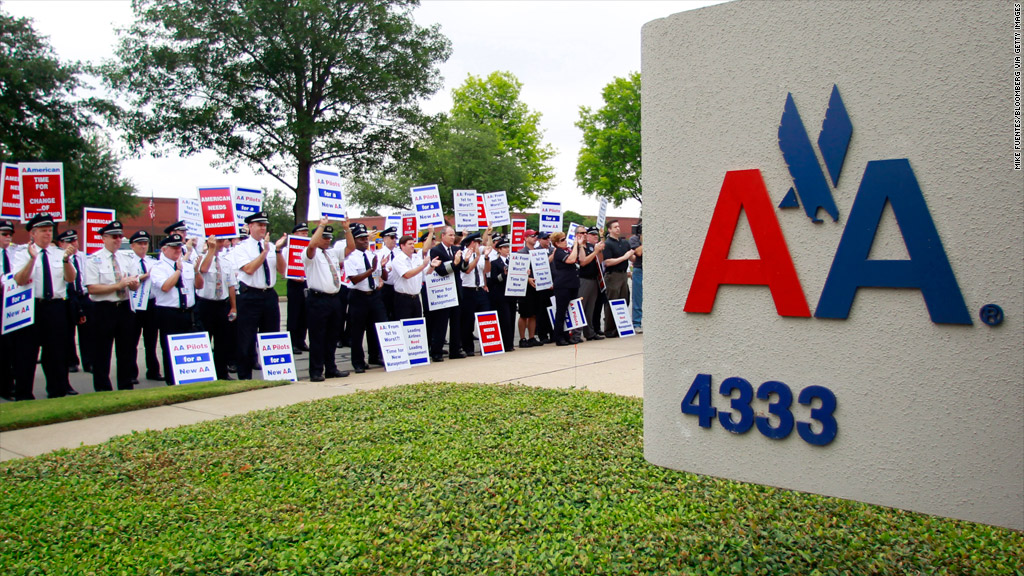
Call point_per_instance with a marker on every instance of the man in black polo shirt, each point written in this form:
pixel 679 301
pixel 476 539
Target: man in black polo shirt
pixel 617 255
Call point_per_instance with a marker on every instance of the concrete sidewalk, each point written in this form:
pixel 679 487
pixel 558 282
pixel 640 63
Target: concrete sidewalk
pixel 614 365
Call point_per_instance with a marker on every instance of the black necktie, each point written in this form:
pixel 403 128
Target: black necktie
pixel 78 275
pixel 142 263
pixel 7 263
pixel 476 274
pixel 266 267
pixel 47 279
pixel 182 301
pixel 366 261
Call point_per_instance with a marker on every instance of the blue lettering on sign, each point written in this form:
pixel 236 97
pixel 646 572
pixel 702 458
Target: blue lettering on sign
pixel 741 418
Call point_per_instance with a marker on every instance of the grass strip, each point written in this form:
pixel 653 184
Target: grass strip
pixel 17 415
pixel 445 479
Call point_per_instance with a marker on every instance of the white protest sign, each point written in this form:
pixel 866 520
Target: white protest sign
pixel 602 213
pixel 248 201
pixel 496 204
pixel 391 336
pixel 18 307
pixel 394 221
pixel 190 211
pixel 139 299
pixel 550 217
pixel 465 210
pixel 441 291
pixel 623 317
pixel 191 358
pixel 518 275
pixel 416 345
pixel 276 356
pixel 574 316
pixel 327 197
pixel 570 236
pixel 427 202
pixel 542 279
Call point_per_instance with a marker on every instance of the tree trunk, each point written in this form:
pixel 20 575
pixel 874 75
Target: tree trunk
pixel 302 192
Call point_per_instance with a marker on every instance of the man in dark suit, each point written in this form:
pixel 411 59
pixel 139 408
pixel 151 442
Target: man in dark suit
pixel 447 320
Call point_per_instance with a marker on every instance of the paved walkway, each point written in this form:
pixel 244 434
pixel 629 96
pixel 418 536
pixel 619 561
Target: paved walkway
pixel 613 365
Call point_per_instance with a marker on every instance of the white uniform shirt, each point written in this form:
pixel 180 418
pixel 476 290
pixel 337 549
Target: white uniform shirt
pixel 338 255
pixel 169 299
pixel 135 269
pixel 403 264
pixel 55 257
pixel 469 278
pixel 81 271
pixel 100 269
pixel 393 253
pixel 355 265
pixel 11 251
pixel 210 290
pixel 323 271
pixel 246 252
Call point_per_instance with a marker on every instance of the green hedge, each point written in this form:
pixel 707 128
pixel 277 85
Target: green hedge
pixel 444 479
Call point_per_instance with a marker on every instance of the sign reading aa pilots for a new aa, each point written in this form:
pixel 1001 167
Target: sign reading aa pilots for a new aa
pixel 845 251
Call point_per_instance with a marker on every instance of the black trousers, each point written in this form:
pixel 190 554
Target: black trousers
pixel 85 332
pixel 49 332
pixel 407 306
pixel 473 301
pixel 544 327
pixel 214 316
pixel 258 311
pixel 297 320
pixel 365 309
pixel 171 321
pixel 7 355
pixel 324 314
pixel 506 309
pixel 387 294
pixel 113 330
pixel 447 321
pixel 562 298
pixel 341 330
pixel 146 328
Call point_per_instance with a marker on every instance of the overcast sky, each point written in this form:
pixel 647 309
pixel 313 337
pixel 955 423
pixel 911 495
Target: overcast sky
pixel 564 53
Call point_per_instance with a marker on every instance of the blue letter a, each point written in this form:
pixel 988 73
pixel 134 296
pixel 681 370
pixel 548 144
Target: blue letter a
pixel 927 269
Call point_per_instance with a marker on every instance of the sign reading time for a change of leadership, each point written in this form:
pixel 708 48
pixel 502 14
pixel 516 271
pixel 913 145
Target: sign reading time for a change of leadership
pixel 92 220
pixel 42 190
pixel 218 206
pixel 10 194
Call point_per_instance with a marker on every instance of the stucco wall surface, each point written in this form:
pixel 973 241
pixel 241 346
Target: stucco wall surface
pixel 930 416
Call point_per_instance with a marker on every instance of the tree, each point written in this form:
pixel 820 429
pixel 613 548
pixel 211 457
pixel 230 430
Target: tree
pixel 278 85
pixel 609 161
pixel 494 102
pixel 278 206
pixel 42 122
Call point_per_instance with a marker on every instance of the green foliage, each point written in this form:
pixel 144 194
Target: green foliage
pixel 43 122
pixel 533 220
pixel 277 85
pixel 609 161
pixel 31 413
pixel 278 206
pixel 445 479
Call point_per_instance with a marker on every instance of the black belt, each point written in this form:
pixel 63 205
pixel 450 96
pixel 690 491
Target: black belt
pixel 175 309
pixel 471 288
pixel 615 272
pixel 407 295
pixel 49 299
pixel 243 288
pixel 109 303
pixel 201 299
pixel 321 294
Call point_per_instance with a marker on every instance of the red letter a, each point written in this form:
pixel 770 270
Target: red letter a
pixel 745 190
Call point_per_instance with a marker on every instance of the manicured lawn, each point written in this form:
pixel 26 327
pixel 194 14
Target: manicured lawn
pixel 444 479
pixel 15 415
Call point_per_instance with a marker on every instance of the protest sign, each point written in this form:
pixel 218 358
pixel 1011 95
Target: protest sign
pixel 327 199
pixel 10 192
pixel 408 224
pixel 276 356
pixel 574 316
pixel 496 204
pixel 490 333
pixel 248 201
pixel 441 292
pixel 92 220
pixel 191 358
pixel 391 336
pixel 623 317
pixel 42 190
pixel 427 202
pixel 570 236
pixel 466 216
pixel 518 275
pixel 550 217
pixel 518 235
pixel 481 212
pixel 139 299
pixel 416 345
pixel 602 213
pixel 218 206
pixel 394 221
pixel 542 278
pixel 191 212
pixel 18 306
pixel 293 268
